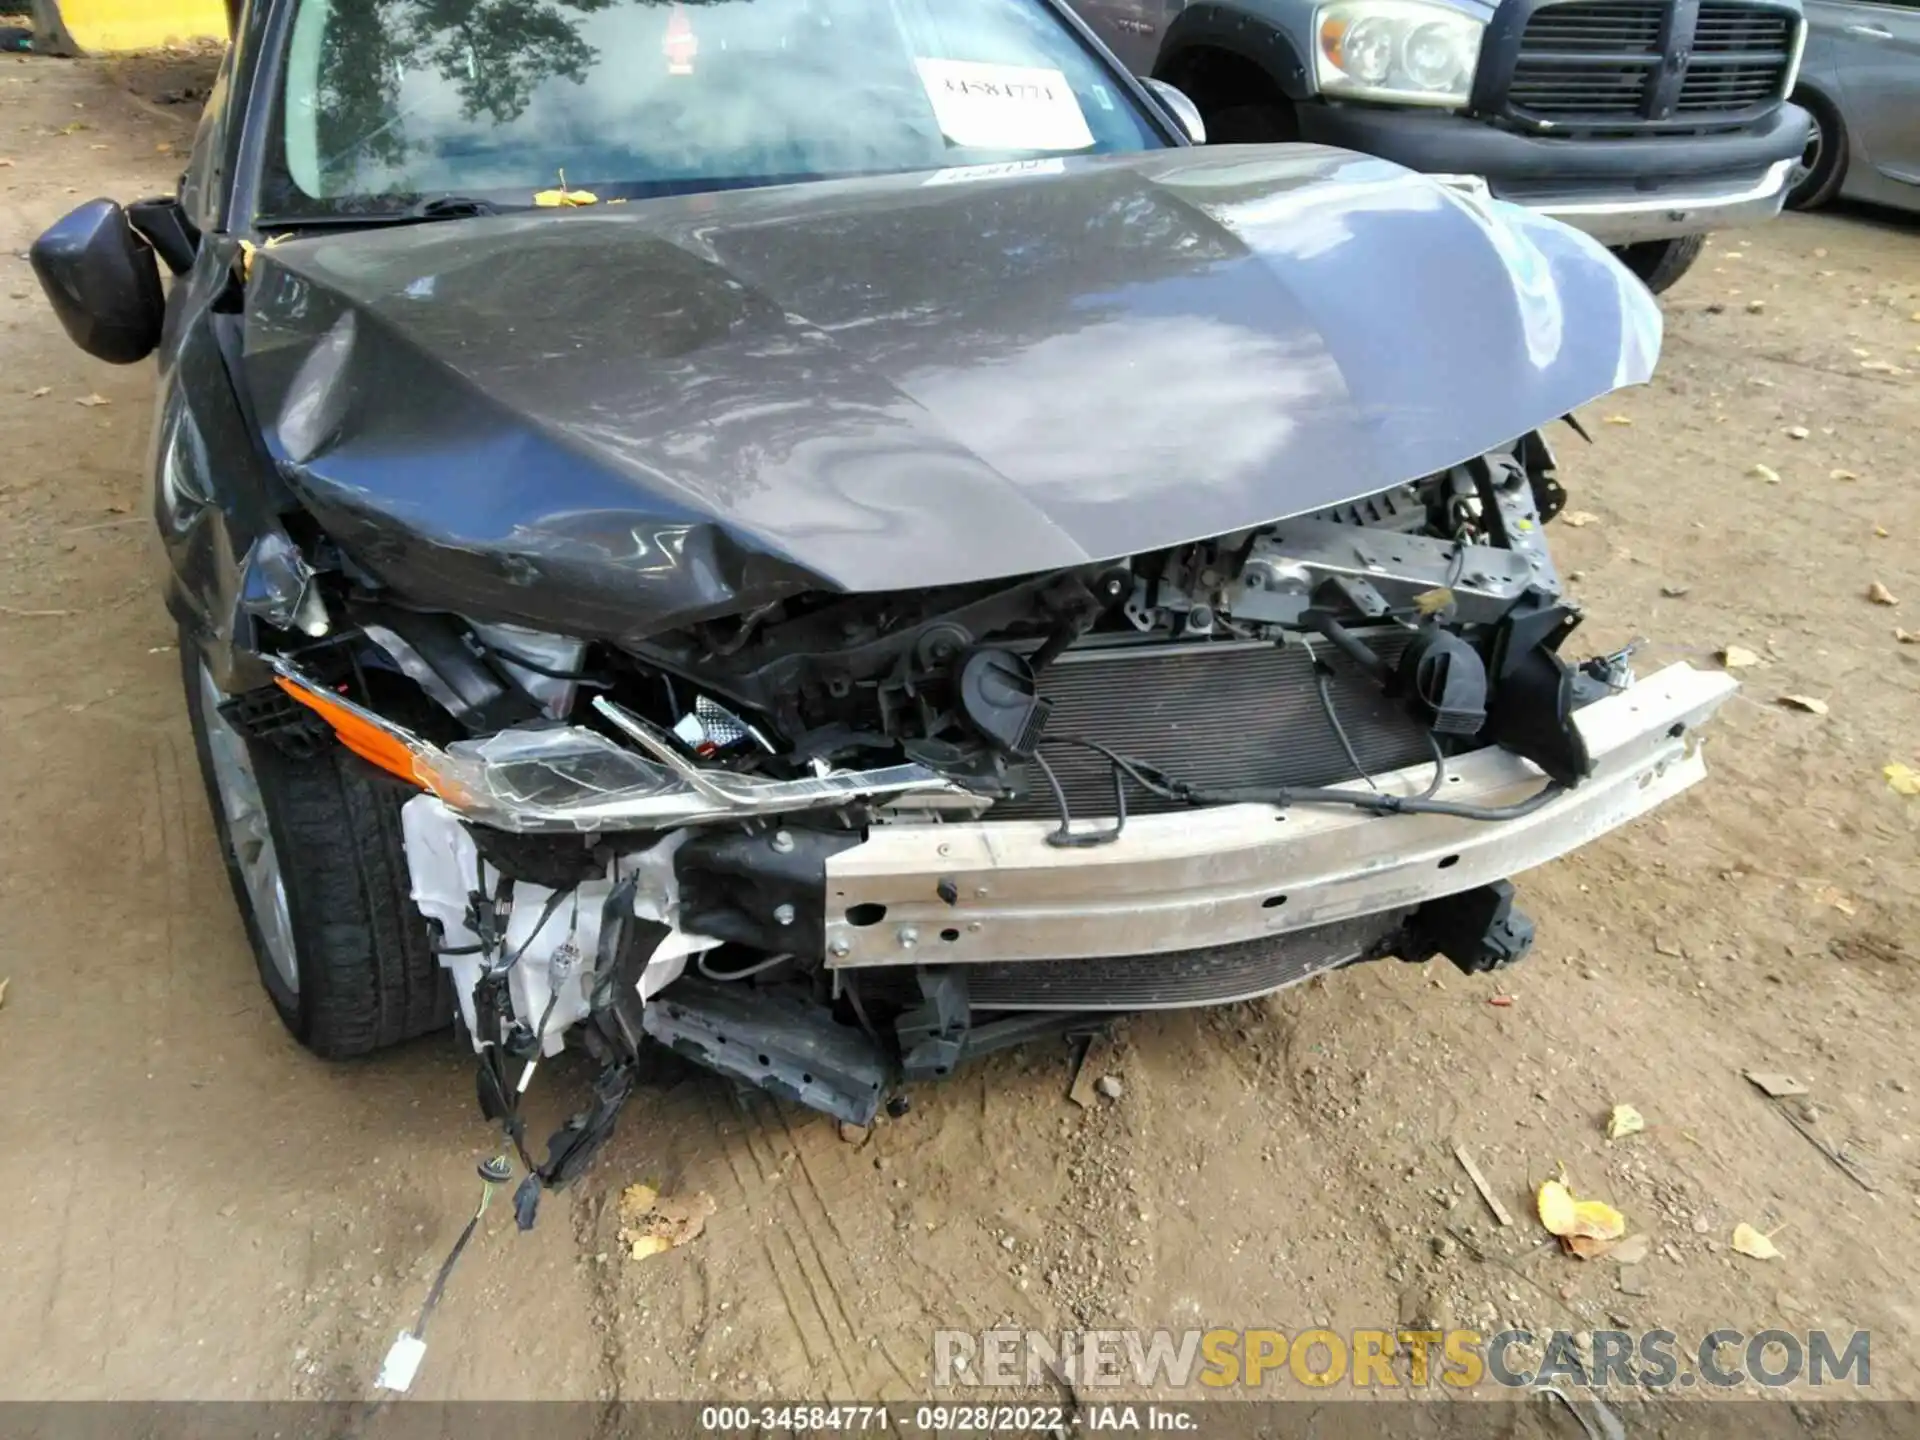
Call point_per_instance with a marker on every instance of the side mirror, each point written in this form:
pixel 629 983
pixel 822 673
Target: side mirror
pixel 1180 107
pixel 102 282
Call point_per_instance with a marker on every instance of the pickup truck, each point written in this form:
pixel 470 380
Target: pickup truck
pixel 1646 123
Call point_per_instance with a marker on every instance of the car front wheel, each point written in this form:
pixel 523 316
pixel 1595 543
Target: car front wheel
pixel 1821 168
pixel 313 847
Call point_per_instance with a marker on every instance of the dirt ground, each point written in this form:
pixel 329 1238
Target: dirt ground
pixel 199 1209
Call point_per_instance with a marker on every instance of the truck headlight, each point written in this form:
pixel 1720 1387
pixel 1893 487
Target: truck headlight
pixel 1403 51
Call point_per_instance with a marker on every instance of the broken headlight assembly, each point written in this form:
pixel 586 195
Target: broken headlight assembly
pixel 567 779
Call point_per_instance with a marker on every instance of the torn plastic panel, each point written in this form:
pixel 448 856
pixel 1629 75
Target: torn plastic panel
pixel 876 385
pixel 554 937
pixel 566 779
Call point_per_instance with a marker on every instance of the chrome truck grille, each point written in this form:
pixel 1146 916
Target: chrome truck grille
pixel 1641 64
pixel 1213 714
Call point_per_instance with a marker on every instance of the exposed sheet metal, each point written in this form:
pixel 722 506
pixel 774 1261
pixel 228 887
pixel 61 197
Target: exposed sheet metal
pixel 1176 882
pixel 611 421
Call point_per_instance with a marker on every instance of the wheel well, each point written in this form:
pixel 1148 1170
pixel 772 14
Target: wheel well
pixel 1219 80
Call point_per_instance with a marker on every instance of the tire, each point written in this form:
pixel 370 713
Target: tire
pixel 1823 166
pixel 1661 263
pixel 362 974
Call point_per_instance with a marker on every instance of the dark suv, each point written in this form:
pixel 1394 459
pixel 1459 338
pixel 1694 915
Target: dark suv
pixel 1646 123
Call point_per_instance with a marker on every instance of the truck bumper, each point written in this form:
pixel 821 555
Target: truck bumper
pixel 1620 191
pixel 997 891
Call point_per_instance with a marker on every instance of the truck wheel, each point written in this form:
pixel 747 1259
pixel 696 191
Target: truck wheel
pixel 318 865
pixel 1661 263
pixel 1823 164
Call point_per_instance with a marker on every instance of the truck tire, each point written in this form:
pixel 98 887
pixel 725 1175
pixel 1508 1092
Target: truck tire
pixel 1661 263
pixel 314 851
pixel 1823 165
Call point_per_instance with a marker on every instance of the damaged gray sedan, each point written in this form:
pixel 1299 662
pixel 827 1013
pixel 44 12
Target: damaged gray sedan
pixel 829 536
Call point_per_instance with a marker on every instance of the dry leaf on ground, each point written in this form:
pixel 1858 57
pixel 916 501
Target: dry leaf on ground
pixel 1766 473
pixel 1902 779
pixel 1737 657
pixel 1797 432
pixel 1625 1121
pixel 1578 518
pixel 1841 475
pixel 1619 419
pixel 1749 1241
pixel 1906 637
pixel 1808 703
pixel 651 1224
pixel 1880 595
pixel 1564 1216
pixel 92 400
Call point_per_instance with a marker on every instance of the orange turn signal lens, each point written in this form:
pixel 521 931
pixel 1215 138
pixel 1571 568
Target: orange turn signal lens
pixel 358 734
pixel 1332 32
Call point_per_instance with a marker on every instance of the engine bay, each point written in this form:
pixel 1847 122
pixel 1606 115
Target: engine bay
pixel 1441 592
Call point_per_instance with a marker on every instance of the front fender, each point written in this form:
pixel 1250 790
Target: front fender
pixel 1267 35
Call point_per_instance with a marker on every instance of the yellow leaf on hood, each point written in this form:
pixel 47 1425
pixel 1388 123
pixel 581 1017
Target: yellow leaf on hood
pixel 1749 1241
pixel 1624 1121
pixel 1563 1215
pixel 563 198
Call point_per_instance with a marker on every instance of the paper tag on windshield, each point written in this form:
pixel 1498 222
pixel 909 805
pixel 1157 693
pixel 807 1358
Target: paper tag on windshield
pixel 1004 107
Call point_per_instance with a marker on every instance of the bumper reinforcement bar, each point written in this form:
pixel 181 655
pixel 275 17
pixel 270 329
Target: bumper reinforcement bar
pixel 1239 872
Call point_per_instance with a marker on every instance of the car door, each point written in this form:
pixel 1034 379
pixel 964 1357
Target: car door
pixel 1130 28
pixel 1876 53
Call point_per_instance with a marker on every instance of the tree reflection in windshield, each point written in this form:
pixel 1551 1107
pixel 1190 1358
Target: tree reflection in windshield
pixel 492 52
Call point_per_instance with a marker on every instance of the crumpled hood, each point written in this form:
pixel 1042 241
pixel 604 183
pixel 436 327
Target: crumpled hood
pixel 613 421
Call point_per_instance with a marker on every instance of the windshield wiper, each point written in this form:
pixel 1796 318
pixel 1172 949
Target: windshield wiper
pixel 437 207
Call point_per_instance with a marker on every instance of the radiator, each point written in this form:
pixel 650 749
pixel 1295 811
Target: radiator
pixel 1212 714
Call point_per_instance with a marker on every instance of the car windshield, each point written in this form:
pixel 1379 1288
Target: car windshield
pixel 393 100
